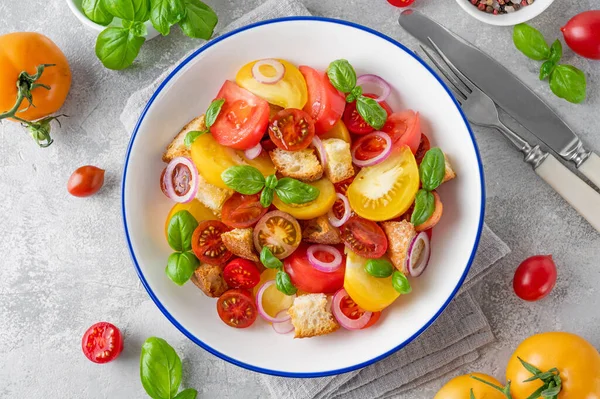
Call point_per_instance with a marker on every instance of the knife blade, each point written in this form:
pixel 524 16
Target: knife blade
pixel 505 89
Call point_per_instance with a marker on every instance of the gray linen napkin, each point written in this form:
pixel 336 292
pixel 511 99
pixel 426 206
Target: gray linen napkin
pixel 449 343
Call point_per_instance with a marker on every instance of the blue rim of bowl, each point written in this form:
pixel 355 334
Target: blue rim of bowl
pixel 277 372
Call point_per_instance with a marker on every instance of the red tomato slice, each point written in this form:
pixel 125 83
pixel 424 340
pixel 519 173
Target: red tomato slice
pixel 207 244
pixel 292 129
pixel 368 147
pixel 364 237
pixel 355 123
pixel 237 308
pixel 424 146
pixel 241 211
pixel 351 310
pixel 405 129
pixel 308 279
pixel 102 342
pixel 242 120
pixel 325 103
pixel 241 273
pixel 342 187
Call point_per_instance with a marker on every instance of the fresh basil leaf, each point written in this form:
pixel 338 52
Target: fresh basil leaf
pixel 166 13
pixel 569 83
pixel 283 282
pixel 354 94
pixel 530 42
pixel 192 136
pixel 342 75
pixel 243 179
pixel 371 112
pixel 400 283
pixel 269 260
pixel 424 207
pixel 118 47
pixel 271 181
pixel 380 268
pixel 213 111
pixel 189 393
pixel 160 369
pixel 432 169
pixel 131 10
pixel 546 69
pixel 556 51
pixel 266 197
pixel 200 20
pixel 180 230
pixel 96 11
pixel 137 28
pixel 292 191
pixel 181 266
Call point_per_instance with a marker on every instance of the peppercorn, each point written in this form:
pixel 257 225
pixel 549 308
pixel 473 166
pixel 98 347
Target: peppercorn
pixel 481 6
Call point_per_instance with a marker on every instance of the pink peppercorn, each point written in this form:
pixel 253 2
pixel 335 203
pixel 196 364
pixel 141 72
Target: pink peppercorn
pixel 474 2
pixel 481 6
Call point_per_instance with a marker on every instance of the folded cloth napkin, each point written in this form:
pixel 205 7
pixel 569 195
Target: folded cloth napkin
pixel 449 343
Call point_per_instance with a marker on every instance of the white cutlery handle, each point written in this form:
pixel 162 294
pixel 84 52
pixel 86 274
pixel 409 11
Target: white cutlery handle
pixel 591 169
pixel 575 191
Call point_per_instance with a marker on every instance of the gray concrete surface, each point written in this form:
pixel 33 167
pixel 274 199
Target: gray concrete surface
pixel 64 263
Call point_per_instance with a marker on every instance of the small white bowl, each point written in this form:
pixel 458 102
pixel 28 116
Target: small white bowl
pixel 523 15
pixel 75 6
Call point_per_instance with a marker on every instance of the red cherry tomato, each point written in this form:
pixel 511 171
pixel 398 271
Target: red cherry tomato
pixel 308 279
pixel 241 273
pixel 401 3
pixel 325 103
pixel 241 211
pixel 582 34
pixel 351 310
pixel 208 245
pixel 355 123
pixel 368 147
pixel 237 308
pixel 292 129
pixel 404 128
pixel 85 181
pixel 102 342
pixel 364 237
pixel 424 146
pixel 535 278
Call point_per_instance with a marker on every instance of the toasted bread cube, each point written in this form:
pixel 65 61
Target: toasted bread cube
pixel 177 147
pixel 302 165
pixel 209 279
pixel 311 316
pixel 320 231
pixel 449 174
pixel 241 243
pixel 339 160
pixel 399 235
pixel 212 196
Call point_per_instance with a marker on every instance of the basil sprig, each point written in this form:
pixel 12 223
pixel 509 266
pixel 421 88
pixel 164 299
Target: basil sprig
pixel 283 281
pixel 343 77
pixel 248 180
pixel 213 111
pixel 380 268
pixel 566 81
pixel 182 263
pixel 161 371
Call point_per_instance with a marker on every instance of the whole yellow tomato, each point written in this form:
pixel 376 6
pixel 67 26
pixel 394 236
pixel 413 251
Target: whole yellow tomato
pixel 577 361
pixel 460 388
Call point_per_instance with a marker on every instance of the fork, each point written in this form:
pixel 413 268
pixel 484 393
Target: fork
pixel 481 110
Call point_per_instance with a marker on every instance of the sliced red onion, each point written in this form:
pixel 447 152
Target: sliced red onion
pixel 253 152
pixel 345 321
pixel 261 310
pixel 283 327
pixel 326 267
pixel 377 159
pixel 419 252
pixel 386 89
pixel 318 144
pixel 335 222
pixel 168 180
pixel 259 76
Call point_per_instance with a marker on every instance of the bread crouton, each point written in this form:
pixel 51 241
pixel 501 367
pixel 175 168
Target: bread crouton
pixel 311 316
pixel 449 174
pixel 241 243
pixel 209 279
pixel 212 196
pixel 320 231
pixel 177 147
pixel 302 165
pixel 339 160
pixel 399 235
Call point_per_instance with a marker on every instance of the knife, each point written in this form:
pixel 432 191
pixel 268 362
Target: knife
pixel 507 91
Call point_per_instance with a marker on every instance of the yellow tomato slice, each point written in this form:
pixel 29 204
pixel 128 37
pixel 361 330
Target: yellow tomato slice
pixel 370 293
pixel 338 131
pixel 196 208
pixel 312 209
pixel 289 92
pixel 262 162
pixel 273 300
pixel 386 190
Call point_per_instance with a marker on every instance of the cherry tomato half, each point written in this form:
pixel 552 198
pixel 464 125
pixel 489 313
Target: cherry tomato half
pixel 424 146
pixel 278 231
pixel 325 103
pixel 535 278
pixel 404 128
pixel 368 147
pixel 351 310
pixel 241 273
pixel 237 308
pixel 308 279
pixel 241 211
pixel 355 123
pixel 102 342
pixel 364 237
pixel 208 245
pixel 292 129
pixel 85 181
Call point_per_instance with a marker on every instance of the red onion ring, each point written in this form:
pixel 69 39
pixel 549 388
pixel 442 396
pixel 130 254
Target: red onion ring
pixel 418 257
pixel 261 309
pixel 168 181
pixel 345 321
pixel 335 222
pixel 284 327
pixel 318 144
pixel 326 267
pixel 253 152
pixel 259 76
pixel 377 159
pixel 385 86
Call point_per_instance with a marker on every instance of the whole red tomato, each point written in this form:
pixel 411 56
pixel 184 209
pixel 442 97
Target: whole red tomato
pixel 85 181
pixel 535 278
pixel 401 3
pixel 582 34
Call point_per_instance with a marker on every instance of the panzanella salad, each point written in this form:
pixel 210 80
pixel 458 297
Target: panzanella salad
pixel 302 198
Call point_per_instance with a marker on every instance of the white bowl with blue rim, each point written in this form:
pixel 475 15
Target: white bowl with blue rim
pixel 301 40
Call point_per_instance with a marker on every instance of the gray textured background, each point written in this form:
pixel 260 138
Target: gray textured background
pixel 64 262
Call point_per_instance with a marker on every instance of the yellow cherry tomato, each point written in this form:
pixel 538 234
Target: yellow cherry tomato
pixel 312 209
pixel 273 300
pixel 576 359
pixel 370 293
pixel 386 190
pixel 289 92
pixel 195 207
pixel 338 131
pixel 460 388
